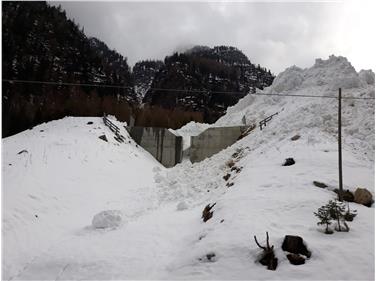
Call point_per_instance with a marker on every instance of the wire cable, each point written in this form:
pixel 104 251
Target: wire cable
pixel 177 90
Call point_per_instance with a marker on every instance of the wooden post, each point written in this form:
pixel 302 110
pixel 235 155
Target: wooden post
pixel 340 190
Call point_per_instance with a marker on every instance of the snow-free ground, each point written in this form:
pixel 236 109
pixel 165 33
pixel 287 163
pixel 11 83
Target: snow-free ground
pixel 67 175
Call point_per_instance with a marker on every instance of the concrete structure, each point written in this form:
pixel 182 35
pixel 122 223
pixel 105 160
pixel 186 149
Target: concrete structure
pixel 159 142
pixel 213 140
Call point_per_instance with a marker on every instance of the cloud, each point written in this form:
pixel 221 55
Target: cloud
pixel 273 34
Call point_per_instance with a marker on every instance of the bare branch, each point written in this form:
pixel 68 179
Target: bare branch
pixel 258 243
pixel 267 241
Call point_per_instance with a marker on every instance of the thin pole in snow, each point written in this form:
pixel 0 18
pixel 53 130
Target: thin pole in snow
pixel 340 191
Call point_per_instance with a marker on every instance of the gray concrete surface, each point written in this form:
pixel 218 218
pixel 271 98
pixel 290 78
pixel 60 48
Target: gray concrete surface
pixel 159 142
pixel 213 140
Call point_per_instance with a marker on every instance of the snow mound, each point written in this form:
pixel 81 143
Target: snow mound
pixel 107 219
pixel 182 206
pixel 297 113
pixel 288 80
pixel 190 129
pixel 367 76
pixel 333 73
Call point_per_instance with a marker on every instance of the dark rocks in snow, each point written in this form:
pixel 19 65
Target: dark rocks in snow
pixel 230 163
pixel 296 137
pixel 207 213
pixel 103 137
pixel 347 195
pixel 295 245
pixel 229 184
pixel 319 184
pixel 226 177
pixel 209 257
pixel 23 151
pixel 222 221
pixel 289 162
pixel 363 196
pixel 89 123
pixel 296 259
pixel 236 169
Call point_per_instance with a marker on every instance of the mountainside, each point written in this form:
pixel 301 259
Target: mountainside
pixel 143 75
pixel 41 44
pixel 161 235
pixel 204 79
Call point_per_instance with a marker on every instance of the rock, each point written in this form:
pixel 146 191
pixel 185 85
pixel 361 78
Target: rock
pixel 296 259
pixel 207 213
pixel 296 137
pixel 23 151
pixel 226 177
pixel 363 196
pixel 103 137
pixel 107 219
pixel 182 206
pixel 319 184
pixel 347 195
pixel 295 245
pixel 89 123
pixel 289 162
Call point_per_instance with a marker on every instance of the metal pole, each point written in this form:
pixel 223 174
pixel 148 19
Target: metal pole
pixel 340 191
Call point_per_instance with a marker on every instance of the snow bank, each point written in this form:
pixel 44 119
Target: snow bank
pixel 323 78
pixel 367 76
pixel 107 219
pixel 190 129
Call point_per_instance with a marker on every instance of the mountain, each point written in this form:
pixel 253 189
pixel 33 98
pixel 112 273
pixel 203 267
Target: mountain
pixel 203 78
pixel 144 73
pixel 41 44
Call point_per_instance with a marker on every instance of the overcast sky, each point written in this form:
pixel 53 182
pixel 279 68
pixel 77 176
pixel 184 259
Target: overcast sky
pixel 273 34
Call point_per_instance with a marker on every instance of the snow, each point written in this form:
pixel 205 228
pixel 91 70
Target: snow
pixel 107 219
pixel 69 175
pixel 190 129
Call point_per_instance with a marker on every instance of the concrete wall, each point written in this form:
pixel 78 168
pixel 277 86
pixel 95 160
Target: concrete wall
pixel 213 140
pixel 159 142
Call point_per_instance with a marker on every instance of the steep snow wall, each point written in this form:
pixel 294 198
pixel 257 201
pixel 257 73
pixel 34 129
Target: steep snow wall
pixel 322 79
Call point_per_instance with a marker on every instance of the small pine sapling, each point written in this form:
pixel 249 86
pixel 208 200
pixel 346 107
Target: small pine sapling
pixel 350 214
pixel 323 214
pixel 337 212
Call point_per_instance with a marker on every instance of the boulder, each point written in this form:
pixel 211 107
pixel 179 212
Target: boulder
pixel 296 137
pixel 319 184
pixel 89 123
pixel 363 196
pixel 296 259
pixel 295 245
pixel 103 137
pixel 107 219
pixel 289 162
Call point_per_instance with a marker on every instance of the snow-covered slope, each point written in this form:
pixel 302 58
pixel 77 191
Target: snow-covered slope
pixel 63 177
pixel 69 175
pixel 295 113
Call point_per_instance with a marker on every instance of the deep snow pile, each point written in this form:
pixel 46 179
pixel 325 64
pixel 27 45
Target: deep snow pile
pixel 57 176
pixel 296 113
pixel 190 129
pixel 68 175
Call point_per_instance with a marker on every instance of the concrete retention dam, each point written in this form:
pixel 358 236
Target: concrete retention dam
pixel 213 140
pixel 167 147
